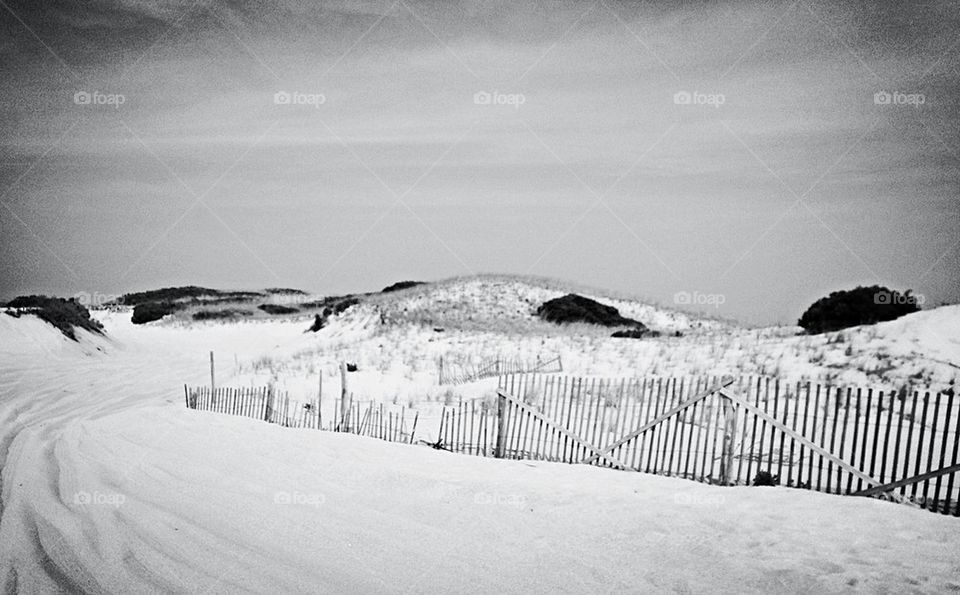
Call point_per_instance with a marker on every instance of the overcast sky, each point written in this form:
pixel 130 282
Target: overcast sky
pixel 726 148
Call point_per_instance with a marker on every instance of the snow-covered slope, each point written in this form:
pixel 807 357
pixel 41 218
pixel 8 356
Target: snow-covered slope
pixel 478 319
pixel 508 304
pixel 27 336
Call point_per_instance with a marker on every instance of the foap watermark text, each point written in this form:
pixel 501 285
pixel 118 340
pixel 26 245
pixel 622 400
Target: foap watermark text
pixel 95 498
pixel 96 98
pixel 698 98
pixel 298 98
pixel 898 98
pixel 686 298
pixel 497 98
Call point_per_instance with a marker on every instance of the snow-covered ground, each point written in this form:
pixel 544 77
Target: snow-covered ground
pixel 109 484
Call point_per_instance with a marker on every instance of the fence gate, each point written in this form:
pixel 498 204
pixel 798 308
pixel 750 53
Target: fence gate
pixel 726 431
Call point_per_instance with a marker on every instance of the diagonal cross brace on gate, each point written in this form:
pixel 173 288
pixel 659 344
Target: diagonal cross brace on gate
pixel 734 400
pixel 658 420
pixel 879 489
pixel 804 441
pixel 562 431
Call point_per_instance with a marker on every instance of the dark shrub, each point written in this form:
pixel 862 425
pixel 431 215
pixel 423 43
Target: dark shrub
pixel 333 307
pixel 331 302
pixel 862 305
pixel 63 314
pixel 285 291
pixel 220 314
pixel 343 304
pixel 576 308
pixel 318 323
pixel 277 309
pixel 351 367
pixel 635 333
pixel 400 285
pixel 764 478
pixel 150 311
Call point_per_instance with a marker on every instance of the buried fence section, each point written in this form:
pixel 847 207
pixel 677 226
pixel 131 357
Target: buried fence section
pixel 392 423
pixel 263 403
pixel 840 440
pixel 469 427
pixel 459 372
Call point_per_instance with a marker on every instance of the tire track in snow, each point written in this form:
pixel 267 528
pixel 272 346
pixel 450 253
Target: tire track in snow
pixel 43 537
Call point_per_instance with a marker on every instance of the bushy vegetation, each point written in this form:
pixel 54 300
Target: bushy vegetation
pixel 861 305
pixel 333 307
pixel 65 315
pixel 343 304
pixel 171 294
pixel 635 333
pixel 156 303
pixel 765 478
pixel 401 285
pixel 226 313
pixel 285 291
pixel 277 309
pixel 149 311
pixel 319 321
pixel 333 300
pixel 576 308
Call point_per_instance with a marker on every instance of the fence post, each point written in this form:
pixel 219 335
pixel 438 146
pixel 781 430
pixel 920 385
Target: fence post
pixel 729 433
pixel 268 410
pixel 344 399
pixel 320 399
pixel 213 391
pixel 501 426
pixel 440 375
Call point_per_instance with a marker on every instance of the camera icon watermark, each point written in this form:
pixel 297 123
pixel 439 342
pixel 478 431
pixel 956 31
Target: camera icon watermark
pixel 297 98
pixel 898 98
pixel 686 298
pixel 97 299
pixel 497 98
pixel 890 298
pixel 697 98
pixel 114 100
pixel 299 499
pixel 95 498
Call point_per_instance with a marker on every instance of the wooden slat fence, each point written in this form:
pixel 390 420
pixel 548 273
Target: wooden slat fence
pixel 378 420
pixel 264 403
pixel 458 372
pixel 392 423
pixel 841 440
